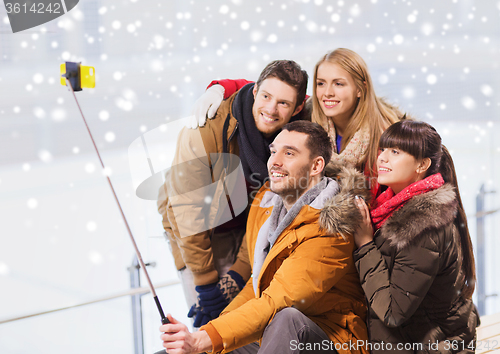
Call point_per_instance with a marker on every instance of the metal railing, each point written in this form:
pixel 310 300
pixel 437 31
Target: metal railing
pixel 131 292
pixel 481 248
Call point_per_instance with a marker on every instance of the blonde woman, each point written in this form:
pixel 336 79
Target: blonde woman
pixel 344 104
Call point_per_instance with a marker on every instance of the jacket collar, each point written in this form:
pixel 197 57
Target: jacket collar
pixel 340 215
pixel 424 212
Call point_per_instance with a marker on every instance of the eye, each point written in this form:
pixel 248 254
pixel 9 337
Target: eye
pixel 289 153
pixel 339 84
pixel 319 83
pixel 284 104
pixel 395 151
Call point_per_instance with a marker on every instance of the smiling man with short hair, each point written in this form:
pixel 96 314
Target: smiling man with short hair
pixel 305 294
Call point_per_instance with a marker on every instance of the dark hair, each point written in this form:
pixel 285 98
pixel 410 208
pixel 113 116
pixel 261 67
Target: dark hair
pixel 290 73
pixel 318 141
pixel 421 140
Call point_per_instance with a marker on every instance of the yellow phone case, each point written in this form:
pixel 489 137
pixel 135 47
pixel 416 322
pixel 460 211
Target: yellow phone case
pixel 87 76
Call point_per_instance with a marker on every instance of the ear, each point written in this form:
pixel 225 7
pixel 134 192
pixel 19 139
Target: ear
pixel 318 165
pixel 298 108
pixel 254 91
pixel 424 165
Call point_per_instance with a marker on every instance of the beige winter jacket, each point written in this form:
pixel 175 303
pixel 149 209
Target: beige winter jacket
pixel 193 199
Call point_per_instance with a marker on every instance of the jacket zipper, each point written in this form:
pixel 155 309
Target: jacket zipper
pixel 234 132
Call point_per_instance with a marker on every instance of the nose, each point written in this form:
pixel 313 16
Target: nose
pixel 271 107
pixel 274 160
pixel 329 91
pixel 382 157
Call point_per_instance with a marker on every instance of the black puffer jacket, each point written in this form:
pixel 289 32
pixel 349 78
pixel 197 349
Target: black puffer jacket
pixel 411 275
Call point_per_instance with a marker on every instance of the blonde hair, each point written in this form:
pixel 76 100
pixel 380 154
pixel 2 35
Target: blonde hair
pixel 371 111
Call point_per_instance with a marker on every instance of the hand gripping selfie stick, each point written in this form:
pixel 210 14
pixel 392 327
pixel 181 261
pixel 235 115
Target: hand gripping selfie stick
pixel 75 76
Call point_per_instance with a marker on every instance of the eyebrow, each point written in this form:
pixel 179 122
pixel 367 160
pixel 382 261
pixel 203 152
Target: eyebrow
pixel 286 147
pixel 336 79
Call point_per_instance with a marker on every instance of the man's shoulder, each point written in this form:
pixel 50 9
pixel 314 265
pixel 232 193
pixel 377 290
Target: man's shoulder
pixel 264 197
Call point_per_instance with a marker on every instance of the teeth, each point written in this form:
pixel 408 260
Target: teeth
pixel 384 169
pixel 268 119
pixel 276 174
pixel 330 104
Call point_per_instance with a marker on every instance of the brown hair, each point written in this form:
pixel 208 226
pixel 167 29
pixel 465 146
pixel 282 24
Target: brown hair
pixel 371 111
pixel 421 140
pixel 318 142
pixel 290 73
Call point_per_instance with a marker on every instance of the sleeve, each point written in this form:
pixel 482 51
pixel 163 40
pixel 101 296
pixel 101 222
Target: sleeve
pixel 395 296
pixel 184 210
pixel 230 86
pixel 244 296
pixel 313 268
pixel 162 209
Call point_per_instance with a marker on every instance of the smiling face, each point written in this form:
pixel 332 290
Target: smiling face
pixel 336 91
pixel 291 168
pixel 274 105
pixel 398 169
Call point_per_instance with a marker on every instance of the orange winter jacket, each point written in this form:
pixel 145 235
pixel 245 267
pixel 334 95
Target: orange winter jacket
pixel 309 267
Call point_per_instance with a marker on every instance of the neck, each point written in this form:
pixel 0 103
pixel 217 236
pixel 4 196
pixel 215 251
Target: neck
pixel 290 199
pixel 340 123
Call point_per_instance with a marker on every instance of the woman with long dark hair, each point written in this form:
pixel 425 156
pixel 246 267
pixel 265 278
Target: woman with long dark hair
pixel 414 254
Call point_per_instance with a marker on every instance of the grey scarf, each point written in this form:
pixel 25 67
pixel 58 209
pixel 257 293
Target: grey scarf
pixel 279 221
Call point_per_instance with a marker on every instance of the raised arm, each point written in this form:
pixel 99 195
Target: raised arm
pixel 206 106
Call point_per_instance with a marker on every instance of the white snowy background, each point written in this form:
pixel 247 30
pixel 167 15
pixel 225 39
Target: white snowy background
pixel 62 241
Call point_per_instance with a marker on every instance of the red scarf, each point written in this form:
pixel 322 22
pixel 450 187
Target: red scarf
pixel 387 203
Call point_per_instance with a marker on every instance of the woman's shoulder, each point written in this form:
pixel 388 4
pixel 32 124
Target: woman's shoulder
pixel 429 212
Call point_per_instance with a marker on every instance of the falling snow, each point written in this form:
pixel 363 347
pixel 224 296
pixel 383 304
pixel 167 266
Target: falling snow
pixel 468 102
pixel 4 269
pixel 32 203
pixel 89 168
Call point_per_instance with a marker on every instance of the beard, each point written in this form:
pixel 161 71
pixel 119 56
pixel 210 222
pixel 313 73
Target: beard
pixel 294 186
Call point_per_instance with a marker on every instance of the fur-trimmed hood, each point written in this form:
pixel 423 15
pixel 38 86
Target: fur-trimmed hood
pixel 424 212
pixel 340 215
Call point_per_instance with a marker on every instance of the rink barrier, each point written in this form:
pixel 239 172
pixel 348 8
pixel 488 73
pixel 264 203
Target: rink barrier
pixel 488 335
pixel 136 291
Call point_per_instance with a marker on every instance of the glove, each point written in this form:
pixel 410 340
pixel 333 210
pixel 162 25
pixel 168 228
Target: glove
pixel 230 285
pixel 208 306
pixel 206 106
pixel 200 317
pixel 213 298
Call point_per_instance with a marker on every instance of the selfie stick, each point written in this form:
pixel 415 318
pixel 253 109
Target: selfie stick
pixel 72 76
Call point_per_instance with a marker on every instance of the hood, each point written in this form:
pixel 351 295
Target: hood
pixel 424 212
pixel 340 215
